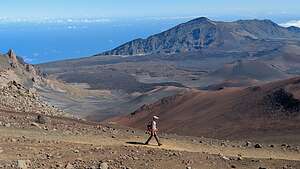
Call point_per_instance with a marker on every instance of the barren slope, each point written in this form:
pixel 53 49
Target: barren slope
pixel 270 111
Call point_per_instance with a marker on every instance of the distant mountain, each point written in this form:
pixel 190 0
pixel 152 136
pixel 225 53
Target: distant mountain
pixel 203 33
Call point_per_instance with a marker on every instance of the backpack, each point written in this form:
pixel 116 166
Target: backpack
pixel 149 126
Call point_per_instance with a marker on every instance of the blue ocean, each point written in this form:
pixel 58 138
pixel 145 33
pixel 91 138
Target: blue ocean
pixel 39 42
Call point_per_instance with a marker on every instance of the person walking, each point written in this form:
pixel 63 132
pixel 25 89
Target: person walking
pixel 152 128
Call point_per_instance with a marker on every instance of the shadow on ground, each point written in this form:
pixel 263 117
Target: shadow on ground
pixel 135 143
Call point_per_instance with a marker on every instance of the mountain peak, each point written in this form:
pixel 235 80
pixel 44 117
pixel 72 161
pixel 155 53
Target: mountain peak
pixel 200 20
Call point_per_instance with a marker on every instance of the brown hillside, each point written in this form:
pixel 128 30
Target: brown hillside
pixel 263 112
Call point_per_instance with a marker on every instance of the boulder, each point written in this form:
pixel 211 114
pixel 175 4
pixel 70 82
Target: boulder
pixel 36 125
pixel 258 146
pixel 103 165
pixel 69 166
pixel 248 144
pixel 41 119
pixel 23 164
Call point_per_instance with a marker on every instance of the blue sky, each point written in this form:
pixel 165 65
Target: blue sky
pixel 149 8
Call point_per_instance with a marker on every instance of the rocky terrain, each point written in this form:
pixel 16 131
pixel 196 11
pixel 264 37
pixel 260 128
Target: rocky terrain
pixel 18 83
pixel 56 142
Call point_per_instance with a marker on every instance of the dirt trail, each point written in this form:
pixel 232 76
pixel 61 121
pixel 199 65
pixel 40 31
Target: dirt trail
pixel 168 144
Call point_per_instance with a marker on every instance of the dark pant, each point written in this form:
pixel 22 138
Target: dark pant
pixel 155 136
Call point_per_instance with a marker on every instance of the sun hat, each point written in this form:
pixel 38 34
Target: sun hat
pixel 155 117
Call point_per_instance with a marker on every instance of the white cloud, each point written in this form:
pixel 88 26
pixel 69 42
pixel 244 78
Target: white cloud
pixel 168 18
pixel 54 20
pixel 27 59
pixel 36 54
pixel 72 27
pixel 291 23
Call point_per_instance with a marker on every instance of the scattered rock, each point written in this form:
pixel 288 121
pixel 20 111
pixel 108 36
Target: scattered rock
pixel 58 165
pixel 36 125
pixel 224 157
pixel 41 119
pixel 248 143
pixel 23 164
pixel 287 167
pixel 135 158
pixel 103 165
pixel 258 146
pixel 69 166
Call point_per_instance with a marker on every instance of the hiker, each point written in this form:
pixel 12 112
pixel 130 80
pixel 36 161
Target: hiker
pixel 152 128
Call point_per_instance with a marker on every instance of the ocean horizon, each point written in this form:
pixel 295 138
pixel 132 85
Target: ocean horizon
pixel 40 42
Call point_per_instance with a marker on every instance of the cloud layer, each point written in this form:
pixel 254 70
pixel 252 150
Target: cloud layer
pixel 53 20
pixel 291 23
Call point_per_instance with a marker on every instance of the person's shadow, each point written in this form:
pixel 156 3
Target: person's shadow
pixel 135 143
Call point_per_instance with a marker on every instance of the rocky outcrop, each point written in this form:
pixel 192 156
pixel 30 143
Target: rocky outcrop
pixel 282 103
pixel 13 61
pixel 18 84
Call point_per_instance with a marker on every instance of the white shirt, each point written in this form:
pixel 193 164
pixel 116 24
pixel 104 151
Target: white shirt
pixel 154 127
